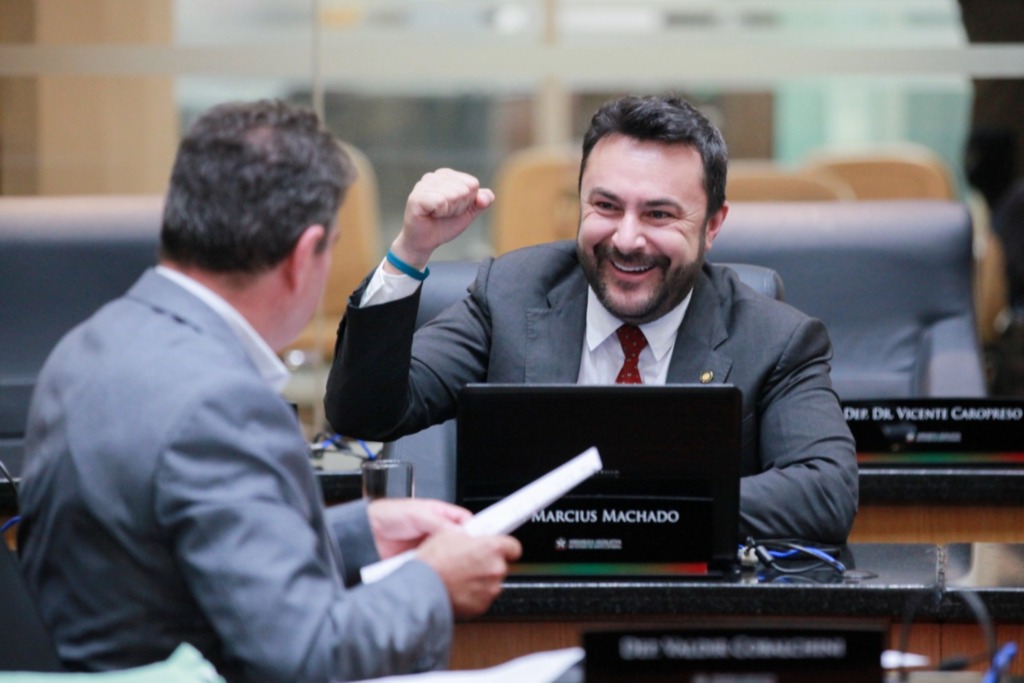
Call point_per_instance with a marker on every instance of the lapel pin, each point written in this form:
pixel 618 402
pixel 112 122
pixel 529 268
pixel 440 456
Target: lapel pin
pixel 706 376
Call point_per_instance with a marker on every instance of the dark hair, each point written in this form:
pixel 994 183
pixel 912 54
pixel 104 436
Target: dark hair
pixel 669 120
pixel 248 179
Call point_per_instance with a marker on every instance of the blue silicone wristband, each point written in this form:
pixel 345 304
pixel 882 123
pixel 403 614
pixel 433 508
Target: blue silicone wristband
pixel 415 274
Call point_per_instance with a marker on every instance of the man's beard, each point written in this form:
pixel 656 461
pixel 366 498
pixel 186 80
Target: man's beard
pixel 675 283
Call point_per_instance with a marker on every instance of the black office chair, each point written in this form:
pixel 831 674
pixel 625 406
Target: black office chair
pixel 432 450
pixel 891 280
pixel 61 258
pixel 24 643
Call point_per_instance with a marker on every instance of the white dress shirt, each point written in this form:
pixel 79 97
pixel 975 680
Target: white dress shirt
pixel 602 353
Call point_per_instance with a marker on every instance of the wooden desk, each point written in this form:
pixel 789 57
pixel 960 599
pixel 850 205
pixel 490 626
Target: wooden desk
pixel 529 617
pixel 940 506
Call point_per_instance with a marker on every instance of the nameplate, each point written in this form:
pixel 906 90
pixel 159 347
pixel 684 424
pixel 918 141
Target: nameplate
pixel 937 432
pixel 719 654
pixel 618 529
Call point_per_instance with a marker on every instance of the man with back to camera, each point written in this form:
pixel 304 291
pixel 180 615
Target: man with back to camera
pixel 652 201
pixel 168 494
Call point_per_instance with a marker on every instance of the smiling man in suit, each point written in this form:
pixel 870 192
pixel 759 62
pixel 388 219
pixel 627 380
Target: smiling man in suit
pixel 652 197
pixel 168 495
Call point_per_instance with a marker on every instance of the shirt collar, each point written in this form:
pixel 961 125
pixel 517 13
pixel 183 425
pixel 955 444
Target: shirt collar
pixel 660 333
pixel 269 366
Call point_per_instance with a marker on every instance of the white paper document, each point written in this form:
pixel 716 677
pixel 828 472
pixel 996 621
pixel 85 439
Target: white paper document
pixel 510 512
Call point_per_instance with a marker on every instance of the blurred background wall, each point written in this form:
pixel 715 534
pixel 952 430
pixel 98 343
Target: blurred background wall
pixel 94 93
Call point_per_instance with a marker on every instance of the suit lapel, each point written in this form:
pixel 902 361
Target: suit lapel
pixel 554 334
pixel 695 359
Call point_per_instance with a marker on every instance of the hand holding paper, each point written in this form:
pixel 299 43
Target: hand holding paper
pixel 512 511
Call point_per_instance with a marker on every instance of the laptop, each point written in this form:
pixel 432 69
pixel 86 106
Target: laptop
pixel 666 502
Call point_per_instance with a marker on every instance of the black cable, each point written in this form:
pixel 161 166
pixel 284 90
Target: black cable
pixel 11 481
pixel 774 554
pixel 954 662
pixel 984 619
pixel 14 487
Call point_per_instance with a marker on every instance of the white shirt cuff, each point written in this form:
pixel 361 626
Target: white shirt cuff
pixel 385 287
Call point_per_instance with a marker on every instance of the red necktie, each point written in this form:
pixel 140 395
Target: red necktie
pixel 633 342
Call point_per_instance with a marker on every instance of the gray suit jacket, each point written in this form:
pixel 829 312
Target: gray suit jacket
pixel 168 497
pixel 524 322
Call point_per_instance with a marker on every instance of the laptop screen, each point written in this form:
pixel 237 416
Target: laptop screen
pixel 666 501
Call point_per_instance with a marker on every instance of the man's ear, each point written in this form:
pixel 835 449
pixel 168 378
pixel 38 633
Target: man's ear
pixel 715 224
pixel 297 265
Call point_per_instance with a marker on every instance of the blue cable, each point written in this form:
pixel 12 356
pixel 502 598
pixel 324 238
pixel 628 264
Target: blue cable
pixel 369 453
pixel 825 557
pixel 9 523
pixel 1000 662
pixel 336 441
pixel 332 440
pixel 792 550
